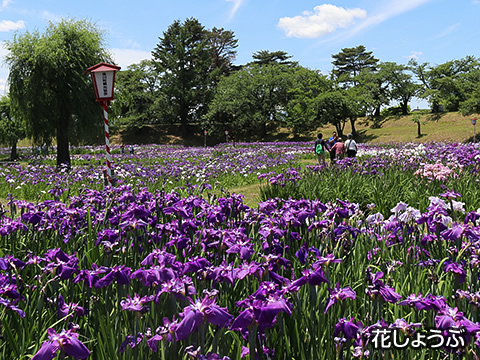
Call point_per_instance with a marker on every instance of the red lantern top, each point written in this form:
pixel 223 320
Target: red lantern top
pixel 103 76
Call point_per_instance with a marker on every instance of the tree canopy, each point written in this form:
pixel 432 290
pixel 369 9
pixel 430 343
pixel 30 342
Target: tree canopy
pixel 183 61
pixel 48 88
pixel 349 62
pixel 11 130
pixel 192 80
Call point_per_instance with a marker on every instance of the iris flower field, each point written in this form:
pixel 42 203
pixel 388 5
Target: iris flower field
pixel 375 257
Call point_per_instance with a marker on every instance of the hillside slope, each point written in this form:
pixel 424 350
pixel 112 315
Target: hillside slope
pixel 450 127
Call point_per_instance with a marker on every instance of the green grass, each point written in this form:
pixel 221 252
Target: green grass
pixel 251 193
pixel 449 126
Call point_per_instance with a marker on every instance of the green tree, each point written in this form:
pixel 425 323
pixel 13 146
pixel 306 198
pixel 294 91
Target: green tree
pixel 428 89
pixel 471 87
pixel 375 86
pixel 417 119
pixel 136 92
pixel 249 100
pixel 49 90
pixel 265 57
pixel 183 62
pixel 402 86
pixel 334 107
pixel 301 113
pixel 222 45
pixel 349 62
pixel 357 105
pixel 446 84
pixel 11 130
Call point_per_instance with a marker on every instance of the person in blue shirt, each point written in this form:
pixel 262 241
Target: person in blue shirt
pixel 331 141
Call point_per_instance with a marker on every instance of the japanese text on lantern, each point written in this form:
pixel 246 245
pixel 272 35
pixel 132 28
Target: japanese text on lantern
pixel 104 82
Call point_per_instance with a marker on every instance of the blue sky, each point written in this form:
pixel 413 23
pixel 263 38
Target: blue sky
pixel 432 31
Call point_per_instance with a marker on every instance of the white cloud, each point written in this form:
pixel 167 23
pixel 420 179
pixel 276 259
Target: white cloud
pixel 236 6
pixel 324 20
pixel 126 57
pixel 447 31
pixel 3 86
pixel 5 4
pixel 7 25
pixel 49 16
pixel 387 10
pixel 414 55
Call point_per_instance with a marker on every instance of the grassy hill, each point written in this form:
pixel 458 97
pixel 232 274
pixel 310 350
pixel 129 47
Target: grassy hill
pixel 451 127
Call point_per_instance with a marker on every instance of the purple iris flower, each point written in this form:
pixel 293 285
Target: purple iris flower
pixel 11 305
pixel 338 294
pixel 248 269
pixel 195 264
pixel 470 326
pixel 222 272
pixel 64 309
pixel 197 354
pixel 431 302
pixel 326 260
pixel 32 217
pixel 61 264
pixel 310 276
pixel 376 286
pixel 266 313
pixel 450 194
pixel 90 276
pixel 10 226
pixel 388 294
pixel 167 332
pixel 107 235
pixel 349 328
pixel 4 265
pixel 8 287
pixel 121 273
pixel 160 256
pixel 260 312
pixel 447 318
pixel 178 287
pixel 457 269
pixel 153 276
pixel 132 341
pixel 406 328
pixel 133 223
pixel 412 300
pixel 266 288
pixel 9 261
pixel 65 341
pixel 200 310
pixel 302 253
pixel 454 233
pixel 137 303
pixel 472 217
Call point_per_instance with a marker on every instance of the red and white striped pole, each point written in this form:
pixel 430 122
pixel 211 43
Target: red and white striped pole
pixel 103 77
pixel 107 143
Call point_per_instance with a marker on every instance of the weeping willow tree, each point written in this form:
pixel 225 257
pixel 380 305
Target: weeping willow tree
pixel 48 88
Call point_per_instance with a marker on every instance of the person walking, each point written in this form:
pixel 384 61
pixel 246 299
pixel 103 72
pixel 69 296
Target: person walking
pixel 320 149
pixel 351 146
pixel 331 142
pixel 339 149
